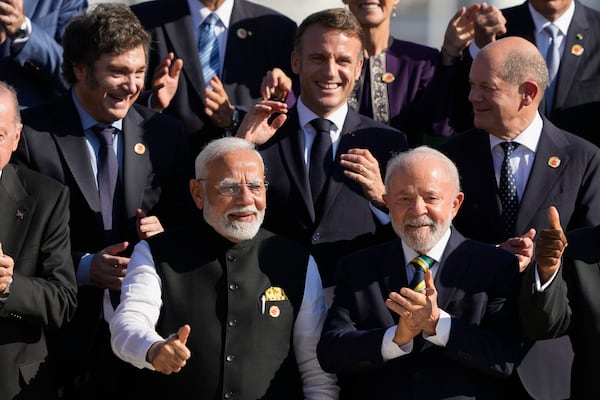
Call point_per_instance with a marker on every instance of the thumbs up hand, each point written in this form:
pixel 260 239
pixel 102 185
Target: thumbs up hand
pixel 549 247
pixel 168 356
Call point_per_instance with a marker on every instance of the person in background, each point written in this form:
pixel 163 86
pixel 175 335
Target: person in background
pixel 224 47
pixel 37 279
pixel 126 176
pixel 430 314
pixel 246 306
pixel 30 46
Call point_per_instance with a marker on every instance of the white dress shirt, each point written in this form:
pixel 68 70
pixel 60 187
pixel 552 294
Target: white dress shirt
pixel 133 324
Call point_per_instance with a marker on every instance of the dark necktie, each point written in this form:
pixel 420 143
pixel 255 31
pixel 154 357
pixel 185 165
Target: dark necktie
pixel 553 62
pixel 508 190
pixel 321 157
pixel 208 48
pixel 108 173
pixel 421 264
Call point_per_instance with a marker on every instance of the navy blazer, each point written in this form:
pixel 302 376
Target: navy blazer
pixel 577 97
pixel 570 305
pixel 35 71
pixel 259 39
pixel 476 283
pixel 344 222
pixel 34 231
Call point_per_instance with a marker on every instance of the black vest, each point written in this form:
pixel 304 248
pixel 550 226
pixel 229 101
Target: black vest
pixel 240 349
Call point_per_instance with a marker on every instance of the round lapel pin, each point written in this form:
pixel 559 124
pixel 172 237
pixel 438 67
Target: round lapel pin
pixel 554 162
pixel 274 311
pixel 577 50
pixel 139 148
pixel 388 77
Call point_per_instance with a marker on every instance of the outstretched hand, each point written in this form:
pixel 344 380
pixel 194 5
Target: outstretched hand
pixel 168 356
pixel 257 126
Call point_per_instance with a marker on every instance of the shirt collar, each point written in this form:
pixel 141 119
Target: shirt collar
pixel 562 22
pixel 435 252
pixel 305 115
pixel 198 12
pixel 530 137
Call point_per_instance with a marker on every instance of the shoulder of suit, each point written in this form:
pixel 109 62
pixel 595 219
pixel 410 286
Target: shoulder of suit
pixel 35 182
pixel 413 51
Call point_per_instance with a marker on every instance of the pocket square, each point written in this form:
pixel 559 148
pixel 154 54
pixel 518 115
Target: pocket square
pixel 275 293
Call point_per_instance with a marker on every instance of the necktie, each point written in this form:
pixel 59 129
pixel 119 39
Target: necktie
pixel 208 48
pixel 321 157
pixel 553 62
pixel 108 173
pixel 508 189
pixel 421 264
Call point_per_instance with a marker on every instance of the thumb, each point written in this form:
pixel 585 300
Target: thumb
pixel 183 333
pixel 117 248
pixel 139 213
pixel 530 234
pixel 554 218
pixel 429 279
pixel 1 253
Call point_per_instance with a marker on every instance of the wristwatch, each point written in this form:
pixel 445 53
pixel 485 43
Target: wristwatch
pixel 21 32
pixel 235 119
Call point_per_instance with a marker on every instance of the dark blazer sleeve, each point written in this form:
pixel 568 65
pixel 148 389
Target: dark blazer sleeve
pixel 43 291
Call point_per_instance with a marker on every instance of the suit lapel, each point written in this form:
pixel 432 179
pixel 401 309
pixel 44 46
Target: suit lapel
pixel 180 33
pixel 569 63
pixel 72 145
pixel 393 271
pixel 135 165
pixel 543 177
pixel 16 209
pixel 348 139
pixel 455 271
pixel 291 148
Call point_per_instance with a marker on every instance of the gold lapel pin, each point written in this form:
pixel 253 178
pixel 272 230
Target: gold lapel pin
pixel 579 36
pixel 554 162
pixel 388 77
pixel 274 311
pixel 577 50
pixel 139 148
pixel 243 33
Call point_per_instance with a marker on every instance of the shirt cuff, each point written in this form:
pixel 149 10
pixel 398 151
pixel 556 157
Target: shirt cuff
pixel 389 349
pixel 383 217
pixel 442 330
pixel 83 270
pixel 538 284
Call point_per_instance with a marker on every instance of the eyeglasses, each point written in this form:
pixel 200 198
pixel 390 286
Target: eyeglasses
pixel 230 188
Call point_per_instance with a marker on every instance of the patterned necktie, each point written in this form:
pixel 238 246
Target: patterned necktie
pixel 553 62
pixel 508 189
pixel 321 157
pixel 208 48
pixel 421 264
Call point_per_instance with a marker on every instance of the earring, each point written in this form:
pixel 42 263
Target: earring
pixel 394 12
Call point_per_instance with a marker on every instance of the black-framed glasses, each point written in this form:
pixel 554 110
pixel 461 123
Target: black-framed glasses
pixel 230 187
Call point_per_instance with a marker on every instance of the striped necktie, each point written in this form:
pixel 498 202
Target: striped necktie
pixel 421 264
pixel 208 48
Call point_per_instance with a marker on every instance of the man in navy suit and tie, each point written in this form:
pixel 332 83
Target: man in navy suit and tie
pixel 347 211
pixel 148 166
pixel 549 166
pixel 451 333
pixel 251 39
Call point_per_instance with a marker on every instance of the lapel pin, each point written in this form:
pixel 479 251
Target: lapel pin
pixel 577 50
pixel 243 34
pixel 139 148
pixel 579 36
pixel 20 214
pixel 274 311
pixel 388 77
pixel 554 162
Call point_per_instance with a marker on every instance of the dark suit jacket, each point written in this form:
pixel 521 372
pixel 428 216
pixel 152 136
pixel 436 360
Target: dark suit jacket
pixel 34 231
pixel 420 96
pixel 477 285
pixel 258 40
pixel 573 187
pixel 344 222
pixel 35 70
pixel 577 97
pixel 570 305
pixel 156 181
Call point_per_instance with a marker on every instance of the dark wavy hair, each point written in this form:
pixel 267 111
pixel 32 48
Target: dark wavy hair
pixel 108 28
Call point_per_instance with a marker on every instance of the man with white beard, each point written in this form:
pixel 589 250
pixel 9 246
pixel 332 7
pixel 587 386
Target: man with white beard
pixel 443 328
pixel 254 299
